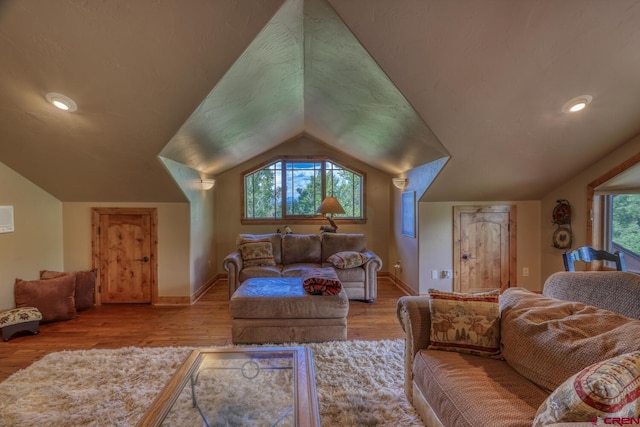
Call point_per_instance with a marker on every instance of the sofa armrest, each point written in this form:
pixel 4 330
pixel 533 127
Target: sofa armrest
pixel 233 264
pixel 371 268
pixel 415 319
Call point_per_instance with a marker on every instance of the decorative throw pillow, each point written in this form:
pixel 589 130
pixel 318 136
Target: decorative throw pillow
pixel 607 389
pixel 321 281
pixel 467 323
pixel 348 259
pixel 53 297
pixel 256 252
pixel 85 286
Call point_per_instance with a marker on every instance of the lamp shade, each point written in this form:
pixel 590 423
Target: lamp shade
pixel 330 205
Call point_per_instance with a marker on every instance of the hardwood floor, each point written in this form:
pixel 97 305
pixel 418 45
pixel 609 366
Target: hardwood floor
pixel 205 323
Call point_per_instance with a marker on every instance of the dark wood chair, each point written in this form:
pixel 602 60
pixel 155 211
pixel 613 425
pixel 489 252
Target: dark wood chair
pixel 589 254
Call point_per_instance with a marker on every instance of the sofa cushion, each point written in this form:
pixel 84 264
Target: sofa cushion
pixel 256 253
pixel 594 288
pixel 85 286
pixel 53 297
pixel 259 271
pixel 356 274
pixel 548 340
pixel 469 323
pixel 274 238
pixel 348 259
pixel 321 281
pixel 297 248
pixel 606 389
pixel 470 391
pixel 297 269
pixel 339 242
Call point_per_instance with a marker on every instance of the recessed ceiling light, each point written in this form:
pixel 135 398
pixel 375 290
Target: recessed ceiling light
pixel 61 101
pixel 576 104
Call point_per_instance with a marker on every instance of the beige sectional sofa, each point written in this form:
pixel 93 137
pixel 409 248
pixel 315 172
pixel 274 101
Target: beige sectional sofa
pixel 293 253
pixel 580 319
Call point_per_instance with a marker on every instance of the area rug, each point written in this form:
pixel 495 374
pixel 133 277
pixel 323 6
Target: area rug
pixel 359 383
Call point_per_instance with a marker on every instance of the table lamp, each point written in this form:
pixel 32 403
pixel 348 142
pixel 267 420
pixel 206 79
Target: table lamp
pixel 330 206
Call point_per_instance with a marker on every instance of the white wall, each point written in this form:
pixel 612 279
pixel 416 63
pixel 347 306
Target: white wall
pixel 436 242
pixel 36 244
pixel 202 248
pixel 173 241
pixel 575 191
pixel 403 248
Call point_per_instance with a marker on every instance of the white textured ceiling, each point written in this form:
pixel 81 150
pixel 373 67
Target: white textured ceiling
pixel 210 83
pixel 305 73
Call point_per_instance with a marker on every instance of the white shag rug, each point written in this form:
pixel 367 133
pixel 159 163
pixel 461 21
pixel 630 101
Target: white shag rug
pixel 359 383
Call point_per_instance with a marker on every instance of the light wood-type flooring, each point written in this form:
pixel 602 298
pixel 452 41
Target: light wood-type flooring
pixel 205 323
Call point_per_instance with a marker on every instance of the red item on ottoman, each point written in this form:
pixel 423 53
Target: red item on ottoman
pixel 321 281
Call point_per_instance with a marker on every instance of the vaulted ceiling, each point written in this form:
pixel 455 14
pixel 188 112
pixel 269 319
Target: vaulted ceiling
pixel 211 83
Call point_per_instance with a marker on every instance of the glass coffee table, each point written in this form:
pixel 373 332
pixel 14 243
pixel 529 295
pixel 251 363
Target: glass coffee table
pixel 258 386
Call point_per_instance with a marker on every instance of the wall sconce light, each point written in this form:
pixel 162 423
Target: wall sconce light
pixel 207 184
pixel 400 182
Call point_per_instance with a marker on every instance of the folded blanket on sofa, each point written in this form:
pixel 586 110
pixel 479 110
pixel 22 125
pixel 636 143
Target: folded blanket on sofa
pixel 321 281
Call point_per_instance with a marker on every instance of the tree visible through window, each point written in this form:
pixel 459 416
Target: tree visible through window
pixel 295 188
pixel 625 222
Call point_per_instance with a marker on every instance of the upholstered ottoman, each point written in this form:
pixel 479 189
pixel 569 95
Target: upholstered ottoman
pixel 278 309
pixel 19 319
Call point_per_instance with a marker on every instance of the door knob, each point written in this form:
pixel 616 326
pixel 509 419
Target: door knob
pixel 466 256
pixel 145 259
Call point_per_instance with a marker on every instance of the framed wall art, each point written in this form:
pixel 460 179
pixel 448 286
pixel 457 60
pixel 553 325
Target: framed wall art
pixel 409 213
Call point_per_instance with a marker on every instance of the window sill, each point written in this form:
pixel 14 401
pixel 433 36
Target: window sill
pixel 289 221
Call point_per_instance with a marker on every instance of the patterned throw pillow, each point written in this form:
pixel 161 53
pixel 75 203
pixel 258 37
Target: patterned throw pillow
pixel 467 323
pixel 609 389
pixel 348 259
pixel 256 252
pixel 321 281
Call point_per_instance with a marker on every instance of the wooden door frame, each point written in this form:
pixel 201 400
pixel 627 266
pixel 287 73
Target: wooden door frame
pixel 153 256
pixel 513 262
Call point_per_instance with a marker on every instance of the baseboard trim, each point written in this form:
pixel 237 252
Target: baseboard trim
pixel 204 288
pixel 190 300
pixel 399 284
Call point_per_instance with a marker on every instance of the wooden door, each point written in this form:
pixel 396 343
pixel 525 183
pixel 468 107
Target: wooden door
pixel 484 247
pixel 125 254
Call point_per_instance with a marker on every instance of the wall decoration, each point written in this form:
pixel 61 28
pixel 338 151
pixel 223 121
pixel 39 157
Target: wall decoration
pixel 409 213
pixel 562 237
pixel 6 219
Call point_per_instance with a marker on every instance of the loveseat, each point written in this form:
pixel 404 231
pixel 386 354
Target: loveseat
pixel 289 255
pixel 552 348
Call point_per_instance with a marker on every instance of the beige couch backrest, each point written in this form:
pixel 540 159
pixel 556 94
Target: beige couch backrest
pixel 547 339
pixel 615 291
pixel 301 248
pixel 338 242
pixel 276 243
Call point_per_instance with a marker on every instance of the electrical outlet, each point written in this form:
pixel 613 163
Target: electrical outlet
pixel 525 271
pixel 447 274
pixel 434 274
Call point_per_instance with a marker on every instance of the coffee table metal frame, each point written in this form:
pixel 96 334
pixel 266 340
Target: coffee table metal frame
pixel 305 406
